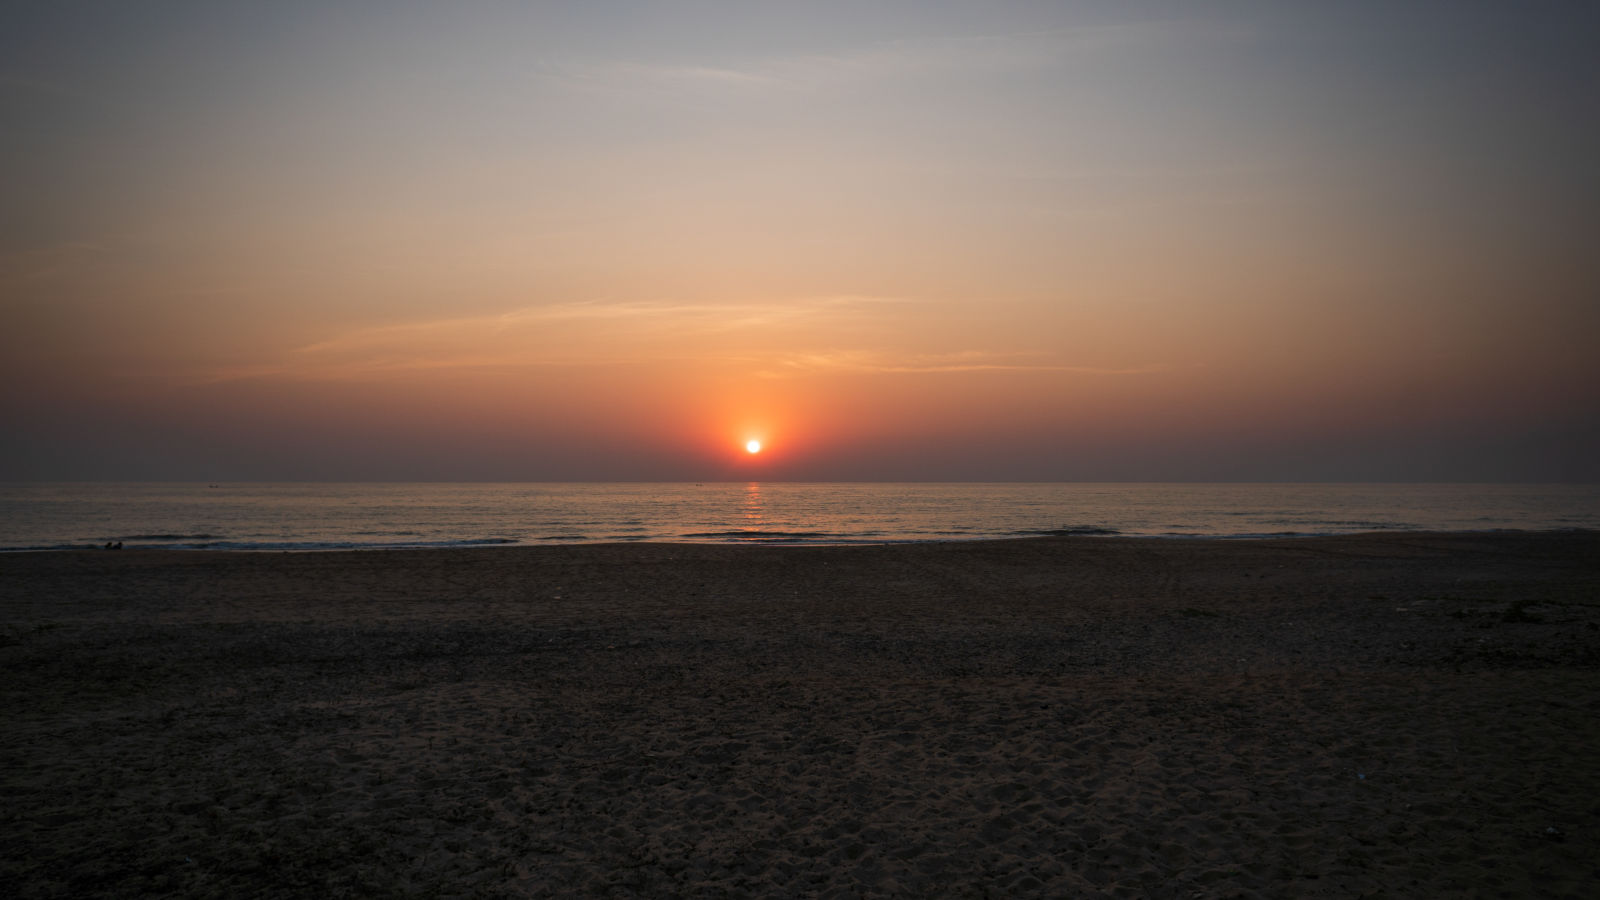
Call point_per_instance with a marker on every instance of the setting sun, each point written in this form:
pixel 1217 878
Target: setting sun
pixel 753 446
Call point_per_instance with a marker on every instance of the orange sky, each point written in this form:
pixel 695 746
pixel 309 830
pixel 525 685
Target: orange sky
pixel 1097 241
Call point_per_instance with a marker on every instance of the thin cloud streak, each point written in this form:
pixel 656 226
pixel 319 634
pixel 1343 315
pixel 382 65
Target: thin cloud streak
pixel 685 317
pixel 964 361
pixel 907 58
pixel 642 334
pixel 542 336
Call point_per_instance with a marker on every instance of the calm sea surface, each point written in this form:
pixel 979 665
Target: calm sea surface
pixel 260 516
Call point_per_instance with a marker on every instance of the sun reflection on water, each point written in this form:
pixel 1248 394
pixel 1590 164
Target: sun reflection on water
pixel 754 511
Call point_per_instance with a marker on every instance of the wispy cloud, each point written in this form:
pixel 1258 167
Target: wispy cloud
pixel 564 334
pixel 654 317
pixel 633 77
pixel 736 336
pixel 903 59
pixel 858 362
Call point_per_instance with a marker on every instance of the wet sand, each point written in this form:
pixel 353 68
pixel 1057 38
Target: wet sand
pixel 1398 715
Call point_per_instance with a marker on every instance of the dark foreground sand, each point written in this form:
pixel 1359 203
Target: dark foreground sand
pixel 1395 715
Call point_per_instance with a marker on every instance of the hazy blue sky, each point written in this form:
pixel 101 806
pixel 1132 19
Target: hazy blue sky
pixel 1118 241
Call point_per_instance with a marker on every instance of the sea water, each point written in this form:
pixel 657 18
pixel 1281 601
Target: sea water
pixel 321 516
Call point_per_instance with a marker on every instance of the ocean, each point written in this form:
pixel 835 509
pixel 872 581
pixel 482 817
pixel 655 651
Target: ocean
pixel 324 516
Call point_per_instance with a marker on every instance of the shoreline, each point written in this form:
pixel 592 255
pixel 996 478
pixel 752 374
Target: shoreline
pixel 757 541
pixel 1401 712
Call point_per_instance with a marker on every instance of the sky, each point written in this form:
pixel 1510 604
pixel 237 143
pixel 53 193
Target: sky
pixel 987 241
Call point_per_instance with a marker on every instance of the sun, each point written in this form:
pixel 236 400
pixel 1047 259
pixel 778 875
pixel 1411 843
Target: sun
pixel 752 446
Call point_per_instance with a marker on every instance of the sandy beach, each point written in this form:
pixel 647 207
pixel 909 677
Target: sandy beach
pixel 1396 715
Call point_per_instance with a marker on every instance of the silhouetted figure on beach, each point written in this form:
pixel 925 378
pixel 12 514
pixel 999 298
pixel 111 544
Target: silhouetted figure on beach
pixel 108 545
